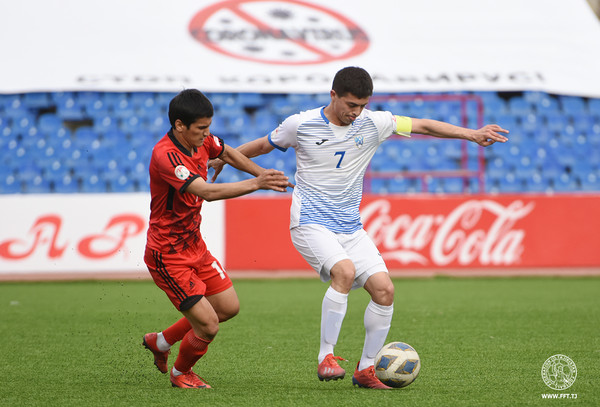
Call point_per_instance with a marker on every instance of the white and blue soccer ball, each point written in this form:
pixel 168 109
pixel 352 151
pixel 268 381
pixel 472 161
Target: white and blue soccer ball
pixel 397 364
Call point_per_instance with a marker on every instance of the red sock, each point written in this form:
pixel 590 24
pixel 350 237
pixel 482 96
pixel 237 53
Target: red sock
pixel 191 349
pixel 177 331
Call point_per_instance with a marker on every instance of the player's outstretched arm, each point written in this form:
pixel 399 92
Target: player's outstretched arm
pixel 250 149
pixel 485 136
pixel 269 179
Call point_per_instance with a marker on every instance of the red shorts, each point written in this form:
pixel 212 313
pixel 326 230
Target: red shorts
pixel 186 277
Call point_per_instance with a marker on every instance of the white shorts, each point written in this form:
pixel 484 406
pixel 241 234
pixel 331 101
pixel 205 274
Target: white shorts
pixel 322 248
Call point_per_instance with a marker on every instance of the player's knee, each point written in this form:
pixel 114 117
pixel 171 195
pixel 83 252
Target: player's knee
pixel 211 328
pixel 231 311
pixel 383 294
pixel 343 274
pixel 387 295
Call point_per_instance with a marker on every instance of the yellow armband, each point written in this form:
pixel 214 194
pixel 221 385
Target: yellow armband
pixel 403 125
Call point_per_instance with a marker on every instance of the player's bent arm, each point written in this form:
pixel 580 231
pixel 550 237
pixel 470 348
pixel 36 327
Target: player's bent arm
pixel 268 179
pixel 240 161
pixel 256 147
pixel 250 149
pixel 484 136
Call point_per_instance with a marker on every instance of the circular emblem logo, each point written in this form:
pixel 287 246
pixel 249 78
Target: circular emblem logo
pixel 181 172
pixel 288 32
pixel 559 372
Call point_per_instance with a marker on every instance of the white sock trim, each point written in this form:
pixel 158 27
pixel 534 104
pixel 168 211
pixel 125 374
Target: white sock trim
pixel 336 296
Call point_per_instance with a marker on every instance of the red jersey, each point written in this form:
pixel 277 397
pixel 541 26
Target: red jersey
pixel 175 214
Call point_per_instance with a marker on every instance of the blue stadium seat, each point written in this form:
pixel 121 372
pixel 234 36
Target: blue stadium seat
pixel 13 108
pixel 84 136
pixel 251 100
pixel 572 105
pixel 49 123
pixel 519 106
pixel 96 108
pixel 37 185
pixel 594 108
pixel 379 186
pixel 510 183
pixel 453 185
pixel 122 184
pixel 537 184
pixel 564 183
pixel 92 183
pixel 105 123
pixel 37 100
pixel 590 182
pixel 68 108
pixel 9 184
pixel 66 185
pixel 143 101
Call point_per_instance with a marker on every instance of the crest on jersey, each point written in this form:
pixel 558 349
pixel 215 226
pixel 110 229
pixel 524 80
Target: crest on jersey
pixel 359 140
pixel 181 172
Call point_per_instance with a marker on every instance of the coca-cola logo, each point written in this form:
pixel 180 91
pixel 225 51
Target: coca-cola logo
pixel 45 234
pixel 480 232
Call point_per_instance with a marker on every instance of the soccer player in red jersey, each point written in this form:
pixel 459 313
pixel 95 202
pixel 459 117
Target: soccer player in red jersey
pixel 176 254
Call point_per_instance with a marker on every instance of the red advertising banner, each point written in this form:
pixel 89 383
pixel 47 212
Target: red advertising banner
pixel 507 231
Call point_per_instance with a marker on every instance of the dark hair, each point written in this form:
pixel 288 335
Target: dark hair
pixel 188 106
pixel 354 80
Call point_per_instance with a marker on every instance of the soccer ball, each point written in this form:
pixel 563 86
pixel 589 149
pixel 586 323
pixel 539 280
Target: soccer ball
pixel 397 364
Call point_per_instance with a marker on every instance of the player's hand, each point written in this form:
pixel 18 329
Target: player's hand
pixel 488 135
pixel 274 180
pixel 217 164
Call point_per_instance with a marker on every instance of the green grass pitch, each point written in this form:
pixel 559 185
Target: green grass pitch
pixel 482 342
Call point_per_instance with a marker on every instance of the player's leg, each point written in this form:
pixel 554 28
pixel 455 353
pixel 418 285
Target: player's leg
pixel 378 316
pixel 334 306
pixel 321 249
pixel 160 343
pixel 205 325
pixel 176 276
pixel 377 321
pixel 226 304
pixel 371 273
pixel 219 289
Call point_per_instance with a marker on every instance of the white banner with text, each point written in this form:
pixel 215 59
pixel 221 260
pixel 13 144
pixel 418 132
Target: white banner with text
pixel 297 45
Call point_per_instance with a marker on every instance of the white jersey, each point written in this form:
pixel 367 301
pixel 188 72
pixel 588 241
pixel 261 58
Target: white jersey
pixel 331 163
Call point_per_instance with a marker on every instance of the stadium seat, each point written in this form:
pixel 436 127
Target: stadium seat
pixel 66 185
pixel 143 101
pixel 69 109
pixel 37 185
pixel 37 100
pixel 10 184
pixel 537 183
pixel 251 100
pixel 519 107
pixel 564 183
pixel 590 182
pixel 49 123
pixel 572 105
pixel 510 183
pixel 92 183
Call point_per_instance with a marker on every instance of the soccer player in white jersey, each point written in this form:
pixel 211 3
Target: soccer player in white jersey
pixel 334 145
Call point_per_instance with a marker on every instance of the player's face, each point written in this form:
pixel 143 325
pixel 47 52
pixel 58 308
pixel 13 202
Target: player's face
pixel 347 108
pixel 194 135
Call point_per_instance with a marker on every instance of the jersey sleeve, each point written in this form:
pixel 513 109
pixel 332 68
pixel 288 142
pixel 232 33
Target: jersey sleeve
pixel 215 146
pixel 169 166
pixel 388 124
pixel 285 135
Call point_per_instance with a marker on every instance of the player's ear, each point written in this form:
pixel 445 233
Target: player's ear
pixel 179 126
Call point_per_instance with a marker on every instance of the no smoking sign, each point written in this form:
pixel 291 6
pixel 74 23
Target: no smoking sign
pixel 287 32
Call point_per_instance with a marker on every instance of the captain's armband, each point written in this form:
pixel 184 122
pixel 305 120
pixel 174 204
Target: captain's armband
pixel 403 125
